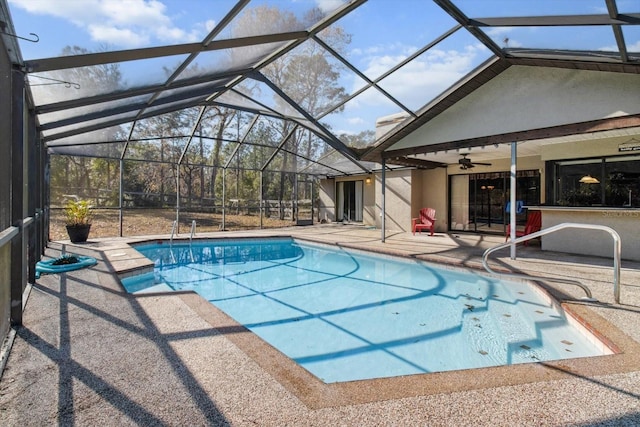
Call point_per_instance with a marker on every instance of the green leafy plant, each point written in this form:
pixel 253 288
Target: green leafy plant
pixel 78 212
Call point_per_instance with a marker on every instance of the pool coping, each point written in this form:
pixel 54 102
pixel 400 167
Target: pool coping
pixel 316 394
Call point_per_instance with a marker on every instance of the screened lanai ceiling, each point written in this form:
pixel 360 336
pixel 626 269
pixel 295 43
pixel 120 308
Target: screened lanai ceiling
pixel 307 79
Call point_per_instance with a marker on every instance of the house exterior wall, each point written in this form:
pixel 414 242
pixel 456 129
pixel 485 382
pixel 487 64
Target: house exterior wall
pixel 409 190
pixel 430 188
pixel 525 98
pixel 398 195
pixel 327 209
pixel 584 148
pixel 369 202
pixel 592 242
pixel 327 194
pixel 553 97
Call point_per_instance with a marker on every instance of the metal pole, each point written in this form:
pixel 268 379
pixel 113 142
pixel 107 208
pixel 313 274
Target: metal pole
pixel 122 156
pixel 178 199
pixel 294 205
pixel 512 198
pixel 261 199
pixel 120 197
pixel 617 255
pixel 18 266
pixel 382 204
pixel 224 197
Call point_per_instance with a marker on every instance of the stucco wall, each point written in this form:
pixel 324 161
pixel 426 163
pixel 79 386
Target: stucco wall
pixel 593 242
pixel 327 208
pixel 430 191
pixel 369 202
pixel 410 190
pixel 585 148
pixel 524 98
pixel 397 200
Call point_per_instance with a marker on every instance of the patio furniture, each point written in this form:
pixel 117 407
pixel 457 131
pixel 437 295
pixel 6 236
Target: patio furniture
pixel 533 224
pixel 426 220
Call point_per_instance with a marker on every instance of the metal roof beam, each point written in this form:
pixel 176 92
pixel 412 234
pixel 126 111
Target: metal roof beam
pixel 278 148
pixel 331 139
pixel 612 8
pixel 193 131
pixel 100 58
pixel 392 70
pixel 119 121
pixel 556 20
pixel 241 142
pixel 207 41
pixel 413 162
pixel 200 92
pixel 370 83
pixel 295 43
pixel 595 56
pixel 463 20
pixel 129 93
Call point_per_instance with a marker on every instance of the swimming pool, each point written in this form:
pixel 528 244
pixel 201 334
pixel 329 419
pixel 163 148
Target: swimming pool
pixel 347 315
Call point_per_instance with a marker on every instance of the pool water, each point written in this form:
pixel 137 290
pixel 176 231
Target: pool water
pixel 348 315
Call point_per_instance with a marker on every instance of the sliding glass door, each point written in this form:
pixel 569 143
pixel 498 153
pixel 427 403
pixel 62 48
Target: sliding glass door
pixel 478 202
pixel 349 201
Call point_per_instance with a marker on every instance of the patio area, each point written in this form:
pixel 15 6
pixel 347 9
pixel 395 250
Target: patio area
pixel 88 353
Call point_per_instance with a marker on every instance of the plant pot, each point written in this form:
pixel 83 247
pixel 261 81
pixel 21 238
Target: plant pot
pixel 78 233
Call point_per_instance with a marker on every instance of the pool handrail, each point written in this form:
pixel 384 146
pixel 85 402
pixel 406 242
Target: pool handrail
pixel 173 230
pixel 193 230
pixel 617 249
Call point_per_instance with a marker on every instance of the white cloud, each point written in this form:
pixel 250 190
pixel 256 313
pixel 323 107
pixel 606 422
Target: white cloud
pixel 149 13
pixel 117 36
pixel 631 47
pixel 121 23
pixel 356 120
pixel 327 6
pixel 67 9
pixel 422 79
pixel 210 25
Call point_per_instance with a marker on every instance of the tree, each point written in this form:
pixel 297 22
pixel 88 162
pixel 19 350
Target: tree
pixel 80 172
pixel 307 75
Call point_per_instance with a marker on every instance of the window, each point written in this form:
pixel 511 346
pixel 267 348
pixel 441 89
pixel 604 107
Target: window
pixel 611 181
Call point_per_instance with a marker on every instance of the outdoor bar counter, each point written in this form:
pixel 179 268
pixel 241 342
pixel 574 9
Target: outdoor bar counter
pixel 626 221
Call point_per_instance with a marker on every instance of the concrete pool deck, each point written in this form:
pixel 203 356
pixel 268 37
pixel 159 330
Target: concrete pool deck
pixel 88 353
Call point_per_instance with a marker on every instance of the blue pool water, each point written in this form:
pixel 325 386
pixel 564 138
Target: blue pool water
pixel 347 315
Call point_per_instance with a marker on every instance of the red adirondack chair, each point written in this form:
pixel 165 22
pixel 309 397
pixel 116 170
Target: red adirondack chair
pixel 427 220
pixel 533 224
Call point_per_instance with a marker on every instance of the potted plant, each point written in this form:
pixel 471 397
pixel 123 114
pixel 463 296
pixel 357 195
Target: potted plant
pixel 78 214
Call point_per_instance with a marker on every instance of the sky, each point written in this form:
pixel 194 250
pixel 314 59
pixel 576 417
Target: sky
pixel 384 32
